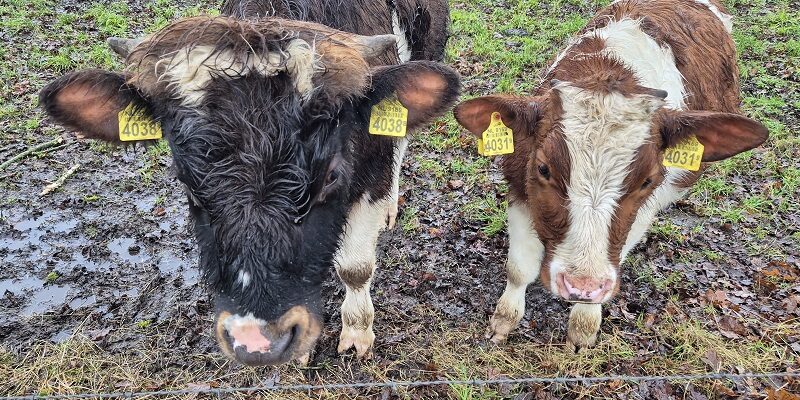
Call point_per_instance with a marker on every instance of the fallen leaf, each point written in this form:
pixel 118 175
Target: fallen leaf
pixel 712 360
pixel 717 298
pixel 427 276
pixel 649 320
pixel 791 303
pixel 494 373
pixel 781 394
pixel 455 184
pixel 721 389
pixel 731 328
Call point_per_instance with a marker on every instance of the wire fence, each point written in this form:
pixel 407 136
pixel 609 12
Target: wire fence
pixel 219 392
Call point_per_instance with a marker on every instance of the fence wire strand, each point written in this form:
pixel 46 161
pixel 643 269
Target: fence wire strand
pixel 218 392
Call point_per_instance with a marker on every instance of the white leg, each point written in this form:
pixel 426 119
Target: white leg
pixel 355 264
pixel 525 254
pixel 583 325
pixel 392 210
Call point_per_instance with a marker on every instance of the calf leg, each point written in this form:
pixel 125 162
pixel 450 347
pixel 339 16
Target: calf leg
pixel 402 144
pixel 355 264
pixel 583 325
pixel 525 254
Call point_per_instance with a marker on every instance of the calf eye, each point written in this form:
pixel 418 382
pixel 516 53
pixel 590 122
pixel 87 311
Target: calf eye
pixel 646 184
pixel 333 176
pixel 544 171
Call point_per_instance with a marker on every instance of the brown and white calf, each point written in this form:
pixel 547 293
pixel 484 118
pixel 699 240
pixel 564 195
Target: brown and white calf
pixel 267 111
pixel 587 175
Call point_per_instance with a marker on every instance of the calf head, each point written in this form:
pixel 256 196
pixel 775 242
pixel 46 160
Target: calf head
pixel 265 120
pixel 588 158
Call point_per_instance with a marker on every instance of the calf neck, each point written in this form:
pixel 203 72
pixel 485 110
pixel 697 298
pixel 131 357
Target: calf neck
pixel 587 175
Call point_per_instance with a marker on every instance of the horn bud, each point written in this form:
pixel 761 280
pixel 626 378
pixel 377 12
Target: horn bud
pixel 376 45
pixel 121 46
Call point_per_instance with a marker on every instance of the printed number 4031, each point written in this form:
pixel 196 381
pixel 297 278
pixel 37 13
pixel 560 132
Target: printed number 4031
pixel 497 144
pixel 680 157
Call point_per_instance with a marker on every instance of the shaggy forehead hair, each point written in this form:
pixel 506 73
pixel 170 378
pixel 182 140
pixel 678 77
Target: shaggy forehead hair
pixel 180 60
pixel 253 109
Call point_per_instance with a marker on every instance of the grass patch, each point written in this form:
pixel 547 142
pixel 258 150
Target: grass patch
pixel 489 211
pixel 111 19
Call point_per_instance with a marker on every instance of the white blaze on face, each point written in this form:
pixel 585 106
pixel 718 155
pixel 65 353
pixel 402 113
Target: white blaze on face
pixel 654 67
pixel 189 71
pixel 602 134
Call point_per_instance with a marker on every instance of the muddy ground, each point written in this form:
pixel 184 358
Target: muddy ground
pixel 108 259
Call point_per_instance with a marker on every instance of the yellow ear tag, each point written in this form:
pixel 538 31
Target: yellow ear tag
pixel 388 118
pixel 497 139
pixel 134 125
pixel 686 155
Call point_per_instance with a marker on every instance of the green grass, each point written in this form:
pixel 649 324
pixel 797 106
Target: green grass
pixel 409 221
pixel 110 19
pixel 489 211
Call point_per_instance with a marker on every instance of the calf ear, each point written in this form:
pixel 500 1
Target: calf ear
pixel 427 89
pixel 518 113
pixel 89 102
pixel 723 135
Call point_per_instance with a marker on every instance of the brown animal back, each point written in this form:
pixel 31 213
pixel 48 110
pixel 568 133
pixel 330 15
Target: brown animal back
pixel 704 51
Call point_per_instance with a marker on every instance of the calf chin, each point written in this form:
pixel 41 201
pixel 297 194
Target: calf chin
pixel 253 341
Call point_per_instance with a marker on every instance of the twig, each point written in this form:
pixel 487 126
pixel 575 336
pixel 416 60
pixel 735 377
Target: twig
pixel 34 149
pixel 60 181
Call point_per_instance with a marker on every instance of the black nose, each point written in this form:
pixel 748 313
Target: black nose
pixel 279 352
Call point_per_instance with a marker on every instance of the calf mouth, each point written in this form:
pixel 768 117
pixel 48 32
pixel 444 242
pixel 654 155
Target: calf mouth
pixel 253 341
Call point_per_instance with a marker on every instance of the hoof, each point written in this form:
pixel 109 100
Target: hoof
pixel 362 340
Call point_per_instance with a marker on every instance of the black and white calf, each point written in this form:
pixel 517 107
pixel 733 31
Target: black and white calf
pixel 266 110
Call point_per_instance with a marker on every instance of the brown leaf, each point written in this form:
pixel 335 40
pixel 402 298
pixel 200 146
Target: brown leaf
pixel 712 360
pixel 717 298
pixel 430 367
pixel 427 276
pixel 649 320
pixel 781 394
pixel 159 211
pixel 494 373
pixel 455 184
pixel 791 303
pixel 731 328
pixel 723 390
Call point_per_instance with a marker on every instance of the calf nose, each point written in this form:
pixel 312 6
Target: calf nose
pixel 253 341
pixel 259 350
pixel 583 289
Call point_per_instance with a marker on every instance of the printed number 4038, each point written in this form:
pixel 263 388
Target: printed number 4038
pixel 137 129
pixel 388 125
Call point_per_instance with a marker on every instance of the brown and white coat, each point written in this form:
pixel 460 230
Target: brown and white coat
pixel 586 177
